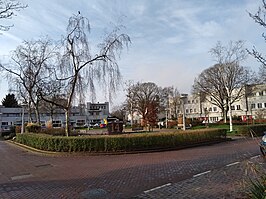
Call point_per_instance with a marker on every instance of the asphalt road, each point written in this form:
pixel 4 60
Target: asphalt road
pixel 214 171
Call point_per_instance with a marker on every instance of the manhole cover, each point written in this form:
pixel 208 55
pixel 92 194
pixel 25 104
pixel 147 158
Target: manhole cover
pixel 94 194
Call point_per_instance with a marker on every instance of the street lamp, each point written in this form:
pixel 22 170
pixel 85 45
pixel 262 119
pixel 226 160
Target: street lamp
pixel 166 118
pixel 182 97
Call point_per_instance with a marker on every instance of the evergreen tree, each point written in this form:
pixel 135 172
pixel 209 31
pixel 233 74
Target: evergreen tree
pixel 10 101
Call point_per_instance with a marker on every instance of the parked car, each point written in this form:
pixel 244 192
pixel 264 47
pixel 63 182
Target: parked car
pixel 102 125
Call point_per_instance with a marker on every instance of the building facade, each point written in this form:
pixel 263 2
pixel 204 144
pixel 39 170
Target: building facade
pixel 252 104
pixel 80 116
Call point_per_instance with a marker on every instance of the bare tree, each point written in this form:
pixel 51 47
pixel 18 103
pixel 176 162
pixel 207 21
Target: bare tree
pixel 260 19
pixel 119 112
pixel 225 82
pixel 145 98
pixel 79 68
pixel 8 8
pixel 171 103
pixel 30 62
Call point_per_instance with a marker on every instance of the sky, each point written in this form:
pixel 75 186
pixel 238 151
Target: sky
pixel 171 39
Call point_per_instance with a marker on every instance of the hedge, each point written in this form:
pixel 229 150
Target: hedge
pixel 252 130
pixel 124 142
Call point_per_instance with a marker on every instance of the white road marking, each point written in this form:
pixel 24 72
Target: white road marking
pixel 255 157
pixel 234 163
pixel 153 189
pixel 21 177
pixel 199 174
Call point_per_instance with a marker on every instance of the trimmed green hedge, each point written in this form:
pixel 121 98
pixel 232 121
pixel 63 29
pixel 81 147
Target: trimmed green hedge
pixel 124 142
pixel 257 129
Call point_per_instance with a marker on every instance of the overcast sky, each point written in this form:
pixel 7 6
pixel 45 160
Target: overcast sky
pixel 171 39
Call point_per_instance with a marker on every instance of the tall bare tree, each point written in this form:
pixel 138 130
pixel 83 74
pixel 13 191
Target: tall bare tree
pixel 120 112
pixel 79 68
pixel 8 8
pixel 31 60
pixel 225 82
pixel 171 98
pixel 260 18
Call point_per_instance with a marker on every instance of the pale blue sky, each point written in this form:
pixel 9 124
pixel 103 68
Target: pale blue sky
pixel 170 38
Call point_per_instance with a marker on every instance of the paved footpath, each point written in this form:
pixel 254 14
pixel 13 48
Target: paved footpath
pixel 215 171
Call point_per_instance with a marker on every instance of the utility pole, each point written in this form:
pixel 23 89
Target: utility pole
pixel 183 97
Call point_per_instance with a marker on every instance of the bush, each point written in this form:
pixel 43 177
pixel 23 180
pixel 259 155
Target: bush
pixel 125 142
pixel 9 134
pixel 33 128
pixel 258 187
pixel 252 130
pixel 58 132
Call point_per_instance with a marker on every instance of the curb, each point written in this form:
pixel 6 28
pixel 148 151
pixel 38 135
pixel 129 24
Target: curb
pixel 33 149
pixel 87 153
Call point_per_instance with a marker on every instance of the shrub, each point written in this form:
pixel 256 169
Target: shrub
pixel 252 130
pixel 58 132
pixel 258 188
pixel 9 134
pixel 125 142
pixel 54 131
pixel 33 128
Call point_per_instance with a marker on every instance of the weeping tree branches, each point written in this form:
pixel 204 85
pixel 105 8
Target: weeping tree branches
pixel 7 11
pixel 79 68
pixel 60 74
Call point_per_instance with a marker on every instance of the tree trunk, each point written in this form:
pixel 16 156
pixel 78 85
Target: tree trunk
pixel 67 122
pixel 225 116
pixel 37 116
pixel 230 118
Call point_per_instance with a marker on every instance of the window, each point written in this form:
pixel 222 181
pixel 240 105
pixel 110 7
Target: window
pixel 190 111
pixel 57 123
pixel 264 105
pixel 252 106
pixel 80 122
pixel 259 105
pixel 210 109
pixel 237 107
pixel 188 101
pixel 232 108
pixel 43 123
pixel 4 123
pixel 186 110
pixel 195 110
pixel 214 109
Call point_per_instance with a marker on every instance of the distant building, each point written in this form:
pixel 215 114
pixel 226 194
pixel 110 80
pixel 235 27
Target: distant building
pixel 96 112
pixel 82 115
pixel 251 105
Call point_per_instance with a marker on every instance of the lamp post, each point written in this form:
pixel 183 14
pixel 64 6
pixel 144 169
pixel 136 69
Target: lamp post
pixel 166 118
pixel 131 113
pixel 182 97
